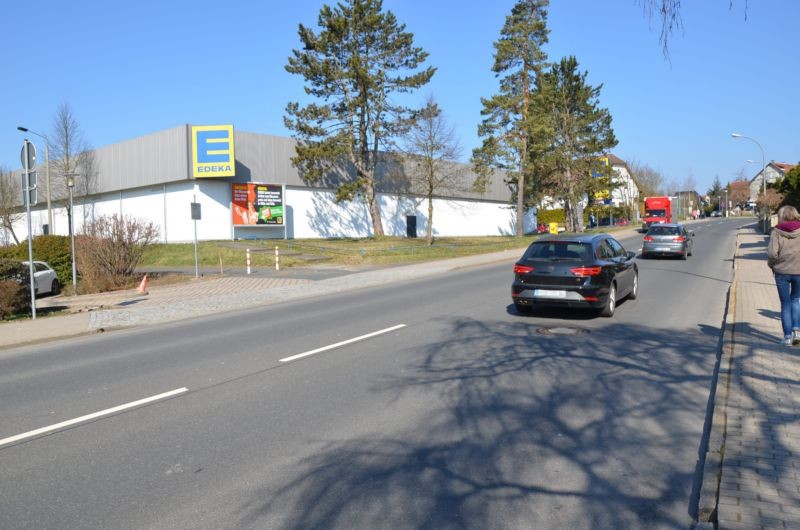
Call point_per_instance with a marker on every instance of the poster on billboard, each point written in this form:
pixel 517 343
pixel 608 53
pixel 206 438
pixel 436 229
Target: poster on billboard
pixel 255 204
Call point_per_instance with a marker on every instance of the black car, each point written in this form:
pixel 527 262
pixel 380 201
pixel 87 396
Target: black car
pixel 589 271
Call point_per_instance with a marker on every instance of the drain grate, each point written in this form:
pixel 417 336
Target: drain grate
pixel 562 330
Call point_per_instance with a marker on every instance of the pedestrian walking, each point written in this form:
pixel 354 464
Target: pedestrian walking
pixel 783 257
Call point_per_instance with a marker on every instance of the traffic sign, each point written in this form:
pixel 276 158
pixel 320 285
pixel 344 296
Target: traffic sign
pixel 28 156
pixel 29 188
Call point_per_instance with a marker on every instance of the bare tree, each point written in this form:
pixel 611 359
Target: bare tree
pixel 86 183
pixel 72 155
pixel 739 191
pixel 649 180
pixel 10 198
pixel 432 151
pixel 669 14
pixel 689 183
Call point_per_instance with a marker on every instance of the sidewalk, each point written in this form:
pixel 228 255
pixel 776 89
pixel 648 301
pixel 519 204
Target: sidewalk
pixel 752 474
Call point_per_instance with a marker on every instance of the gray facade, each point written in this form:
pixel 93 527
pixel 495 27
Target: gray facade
pixel 164 157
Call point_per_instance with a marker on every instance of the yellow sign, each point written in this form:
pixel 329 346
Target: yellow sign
pixel 212 151
pixel 553 228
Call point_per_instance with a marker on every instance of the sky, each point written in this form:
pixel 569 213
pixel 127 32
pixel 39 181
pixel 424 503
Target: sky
pixel 128 69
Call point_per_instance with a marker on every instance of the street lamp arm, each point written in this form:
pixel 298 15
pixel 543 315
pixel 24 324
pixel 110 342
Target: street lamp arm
pixel 763 159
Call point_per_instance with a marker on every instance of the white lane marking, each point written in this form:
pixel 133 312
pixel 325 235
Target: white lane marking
pixel 344 342
pixel 94 415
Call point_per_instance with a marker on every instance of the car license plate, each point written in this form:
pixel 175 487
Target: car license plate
pixel 546 293
pixel 662 249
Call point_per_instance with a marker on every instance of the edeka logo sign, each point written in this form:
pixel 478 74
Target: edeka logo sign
pixel 212 151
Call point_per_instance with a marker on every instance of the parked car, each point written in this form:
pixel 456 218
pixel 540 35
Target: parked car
pixel 605 221
pixel 580 270
pixel 716 213
pixel 45 279
pixel 668 240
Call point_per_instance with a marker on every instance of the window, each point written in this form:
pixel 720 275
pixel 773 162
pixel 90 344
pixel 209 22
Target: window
pixel 559 249
pixel 619 250
pixel 657 230
pixel 605 250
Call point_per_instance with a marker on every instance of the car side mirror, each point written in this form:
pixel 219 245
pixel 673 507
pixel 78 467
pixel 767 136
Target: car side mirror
pixel 631 254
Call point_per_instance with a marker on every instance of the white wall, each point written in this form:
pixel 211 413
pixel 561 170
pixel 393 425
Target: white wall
pixel 309 214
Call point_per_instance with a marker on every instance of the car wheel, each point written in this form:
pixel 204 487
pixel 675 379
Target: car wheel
pixel 55 288
pixel 635 288
pixel 522 309
pixel 611 302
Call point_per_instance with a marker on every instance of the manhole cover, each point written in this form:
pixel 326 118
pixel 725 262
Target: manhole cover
pixel 561 330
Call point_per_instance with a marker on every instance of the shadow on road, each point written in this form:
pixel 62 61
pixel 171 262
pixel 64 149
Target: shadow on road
pixel 530 431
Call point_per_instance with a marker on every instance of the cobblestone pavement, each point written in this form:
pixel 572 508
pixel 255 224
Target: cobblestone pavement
pixel 752 474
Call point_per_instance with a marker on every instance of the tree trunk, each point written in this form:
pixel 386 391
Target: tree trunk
pixel 374 209
pixel 521 199
pixel 10 228
pixel 568 214
pixel 430 220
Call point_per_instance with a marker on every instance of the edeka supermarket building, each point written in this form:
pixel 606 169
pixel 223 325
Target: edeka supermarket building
pixel 242 185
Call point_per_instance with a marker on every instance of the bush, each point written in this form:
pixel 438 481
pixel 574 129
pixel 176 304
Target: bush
pixel 14 288
pixel 55 250
pixel 605 211
pixel 550 216
pixel 109 251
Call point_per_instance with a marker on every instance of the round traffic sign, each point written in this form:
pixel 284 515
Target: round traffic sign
pixel 29 151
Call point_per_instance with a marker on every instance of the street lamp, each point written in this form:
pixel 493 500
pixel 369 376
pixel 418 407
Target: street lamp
pixel 70 185
pixel 763 169
pixel 47 177
pixel 763 160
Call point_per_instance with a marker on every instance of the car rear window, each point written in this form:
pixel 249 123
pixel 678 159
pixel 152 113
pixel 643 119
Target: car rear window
pixel 559 250
pixel 663 230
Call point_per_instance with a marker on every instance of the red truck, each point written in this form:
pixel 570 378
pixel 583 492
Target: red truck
pixel 656 210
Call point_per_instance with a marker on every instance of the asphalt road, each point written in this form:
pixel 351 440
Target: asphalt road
pixel 449 410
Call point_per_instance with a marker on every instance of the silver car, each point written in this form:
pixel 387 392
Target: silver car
pixel 668 239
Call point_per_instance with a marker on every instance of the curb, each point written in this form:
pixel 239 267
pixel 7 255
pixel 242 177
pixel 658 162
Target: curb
pixel 715 451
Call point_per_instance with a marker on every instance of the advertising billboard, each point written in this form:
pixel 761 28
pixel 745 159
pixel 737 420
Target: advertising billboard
pixel 255 204
pixel 212 151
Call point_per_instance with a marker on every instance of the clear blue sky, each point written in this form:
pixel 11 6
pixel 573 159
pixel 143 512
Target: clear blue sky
pixel 132 68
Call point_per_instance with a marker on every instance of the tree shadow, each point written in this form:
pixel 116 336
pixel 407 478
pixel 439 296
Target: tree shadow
pixel 522 430
pixel 328 219
pixel 762 413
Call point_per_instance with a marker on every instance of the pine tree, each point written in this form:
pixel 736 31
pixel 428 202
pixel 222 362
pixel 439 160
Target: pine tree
pixel 358 60
pixel 573 132
pixel 506 125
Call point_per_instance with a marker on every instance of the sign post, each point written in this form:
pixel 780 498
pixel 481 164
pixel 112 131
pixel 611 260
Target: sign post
pixel 195 218
pixel 28 157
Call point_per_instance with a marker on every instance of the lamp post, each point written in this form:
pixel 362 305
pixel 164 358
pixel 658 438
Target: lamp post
pixel 70 185
pixel 47 173
pixel 763 173
pixel 726 202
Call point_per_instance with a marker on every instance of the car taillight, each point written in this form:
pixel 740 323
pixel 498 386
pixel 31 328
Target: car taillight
pixel 522 269
pixel 586 271
pixel 648 238
pixel 679 239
